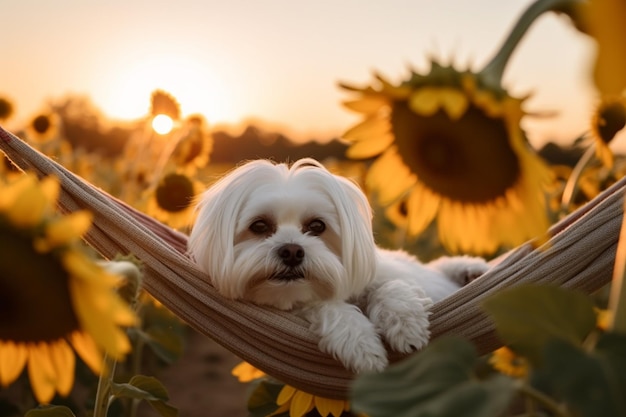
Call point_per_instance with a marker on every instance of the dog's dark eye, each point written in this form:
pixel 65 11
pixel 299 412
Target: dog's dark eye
pixel 260 227
pixel 316 227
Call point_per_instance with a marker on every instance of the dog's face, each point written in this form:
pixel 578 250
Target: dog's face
pixel 284 236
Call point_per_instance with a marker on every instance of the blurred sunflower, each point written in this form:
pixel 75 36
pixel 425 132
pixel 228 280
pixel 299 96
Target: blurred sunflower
pixel 6 108
pixel 7 168
pixel 164 103
pixel 607 120
pixel 44 272
pixel 509 363
pixel 195 146
pixel 299 403
pixel 43 127
pixel 291 400
pixel 172 199
pixel 244 372
pixel 452 148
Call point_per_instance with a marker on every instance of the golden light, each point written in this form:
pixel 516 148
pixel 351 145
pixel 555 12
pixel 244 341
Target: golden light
pixel 162 124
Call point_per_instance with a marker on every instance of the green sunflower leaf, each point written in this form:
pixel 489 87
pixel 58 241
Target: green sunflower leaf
pixel 147 388
pixel 439 381
pixel 50 411
pixel 591 383
pixel 528 316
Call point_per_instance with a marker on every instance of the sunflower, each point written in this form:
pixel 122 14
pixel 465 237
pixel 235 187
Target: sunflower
pixel 298 403
pixel 244 372
pixel 507 362
pixel 172 199
pixel 6 108
pixel 164 103
pixel 452 148
pixel 608 119
pixel 292 400
pixel 43 128
pixel 194 147
pixel 44 272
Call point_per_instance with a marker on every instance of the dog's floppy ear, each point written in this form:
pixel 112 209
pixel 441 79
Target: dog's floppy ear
pixel 358 246
pixel 211 240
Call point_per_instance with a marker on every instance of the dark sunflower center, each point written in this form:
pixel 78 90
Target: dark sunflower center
pixel 174 193
pixel 468 160
pixel 612 119
pixel 35 303
pixel 41 124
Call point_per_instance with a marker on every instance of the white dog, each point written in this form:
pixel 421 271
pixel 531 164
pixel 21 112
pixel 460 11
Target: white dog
pixel 298 237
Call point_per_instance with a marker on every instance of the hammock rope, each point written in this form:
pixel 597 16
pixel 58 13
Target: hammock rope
pixel 579 255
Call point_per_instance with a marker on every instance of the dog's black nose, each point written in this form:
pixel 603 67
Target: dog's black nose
pixel 291 254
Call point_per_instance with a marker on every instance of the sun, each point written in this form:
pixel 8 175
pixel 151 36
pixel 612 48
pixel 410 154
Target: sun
pixel 162 124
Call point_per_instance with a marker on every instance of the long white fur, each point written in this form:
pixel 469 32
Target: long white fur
pixel 352 292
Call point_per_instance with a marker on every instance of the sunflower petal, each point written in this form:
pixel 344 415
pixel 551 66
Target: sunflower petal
pixel 41 373
pixel 12 360
pixel 425 101
pixel 301 403
pixel 326 406
pixel 369 148
pixel 64 230
pixel 422 208
pixel 454 102
pixel 285 394
pixel 366 105
pixel 246 372
pixel 88 350
pixel 389 177
pixel 369 128
pixel 63 361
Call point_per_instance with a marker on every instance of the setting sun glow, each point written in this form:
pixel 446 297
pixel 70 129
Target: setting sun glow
pixel 162 124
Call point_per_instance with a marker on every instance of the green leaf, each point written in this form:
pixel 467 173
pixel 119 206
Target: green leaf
pixel 262 400
pixel 141 387
pixel 50 411
pixel 439 381
pixel 528 316
pixel 594 383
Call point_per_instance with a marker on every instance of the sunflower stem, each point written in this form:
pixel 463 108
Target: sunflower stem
pixel 539 397
pixel 492 72
pixel 571 187
pixel 103 394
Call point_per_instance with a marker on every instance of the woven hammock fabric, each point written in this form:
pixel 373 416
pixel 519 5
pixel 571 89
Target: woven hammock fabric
pixel 579 255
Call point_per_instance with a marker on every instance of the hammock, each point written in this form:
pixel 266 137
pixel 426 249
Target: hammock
pixel 579 255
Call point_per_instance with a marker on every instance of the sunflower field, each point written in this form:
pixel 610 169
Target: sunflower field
pixel 448 169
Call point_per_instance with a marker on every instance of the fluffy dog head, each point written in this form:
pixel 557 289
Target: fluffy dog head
pixel 284 235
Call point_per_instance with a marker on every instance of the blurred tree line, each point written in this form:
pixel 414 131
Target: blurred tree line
pixel 85 126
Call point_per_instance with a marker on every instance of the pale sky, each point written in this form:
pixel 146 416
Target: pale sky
pixel 278 60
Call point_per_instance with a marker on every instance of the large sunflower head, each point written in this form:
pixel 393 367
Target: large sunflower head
pixel 46 273
pixel 607 120
pixel 451 146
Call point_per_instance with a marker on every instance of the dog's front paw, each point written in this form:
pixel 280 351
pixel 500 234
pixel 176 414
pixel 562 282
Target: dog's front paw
pixel 400 316
pixel 348 335
pixel 357 350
